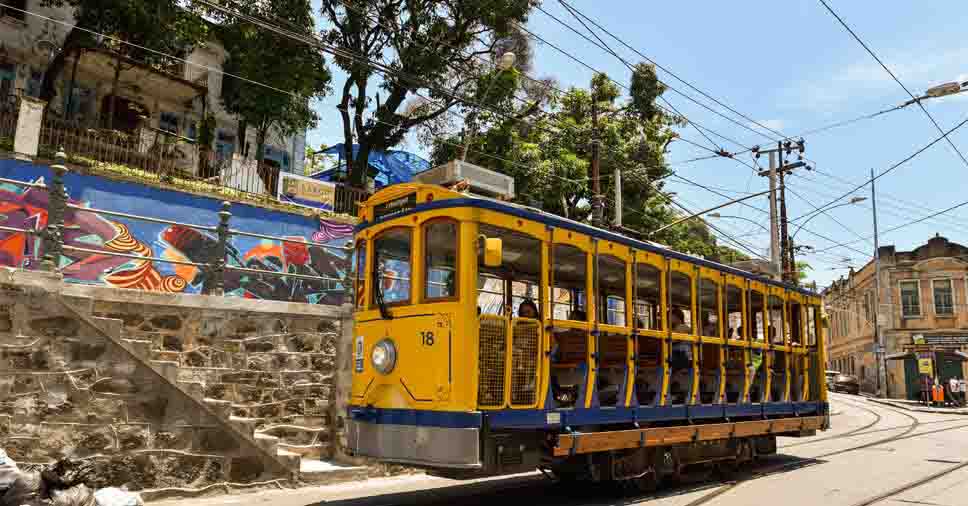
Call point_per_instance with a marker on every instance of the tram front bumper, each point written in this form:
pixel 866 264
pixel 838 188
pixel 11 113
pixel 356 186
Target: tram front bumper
pixel 425 446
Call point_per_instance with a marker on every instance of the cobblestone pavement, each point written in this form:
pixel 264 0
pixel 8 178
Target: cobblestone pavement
pixel 873 453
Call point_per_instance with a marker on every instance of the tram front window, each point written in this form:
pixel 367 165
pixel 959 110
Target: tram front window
pixel 392 263
pixel 440 259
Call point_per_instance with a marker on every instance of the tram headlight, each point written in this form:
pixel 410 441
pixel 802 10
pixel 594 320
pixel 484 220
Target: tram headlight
pixel 384 356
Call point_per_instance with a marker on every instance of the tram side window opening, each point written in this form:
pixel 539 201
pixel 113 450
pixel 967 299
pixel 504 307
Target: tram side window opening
pixel 648 373
pixel 734 312
pixel 709 307
pixel 757 331
pixel 570 273
pixel 777 331
pixel 680 314
pixel 502 290
pixel 648 300
pixel 811 325
pixel 796 323
pixel 735 374
pixel 611 290
pixel 440 259
pixel 392 266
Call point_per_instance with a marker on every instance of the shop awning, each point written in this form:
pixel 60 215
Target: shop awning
pixel 900 356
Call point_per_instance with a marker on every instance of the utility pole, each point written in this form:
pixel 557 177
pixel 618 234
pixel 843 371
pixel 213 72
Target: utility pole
pixel 784 237
pixel 617 218
pixel 597 217
pixel 780 256
pixel 774 231
pixel 878 338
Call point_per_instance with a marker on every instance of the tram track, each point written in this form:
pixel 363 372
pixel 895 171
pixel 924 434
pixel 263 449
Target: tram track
pixel 911 485
pixel 877 419
pixel 906 434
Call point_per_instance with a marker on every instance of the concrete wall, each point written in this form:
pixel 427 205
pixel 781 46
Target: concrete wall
pixel 163 390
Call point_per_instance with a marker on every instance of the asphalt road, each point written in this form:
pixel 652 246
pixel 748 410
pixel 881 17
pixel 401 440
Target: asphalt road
pixel 873 453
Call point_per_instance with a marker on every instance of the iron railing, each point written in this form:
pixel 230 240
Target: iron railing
pixel 158 156
pixel 54 245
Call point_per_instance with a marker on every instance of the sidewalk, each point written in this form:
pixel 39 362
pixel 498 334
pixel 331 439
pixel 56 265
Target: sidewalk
pixel 917 406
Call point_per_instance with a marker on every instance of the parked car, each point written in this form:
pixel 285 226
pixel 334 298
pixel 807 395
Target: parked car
pixel 846 383
pixel 830 375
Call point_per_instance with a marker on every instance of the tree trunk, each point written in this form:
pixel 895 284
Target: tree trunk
pixel 114 93
pixel 360 166
pixel 269 175
pixel 56 65
pixel 243 126
pixel 70 88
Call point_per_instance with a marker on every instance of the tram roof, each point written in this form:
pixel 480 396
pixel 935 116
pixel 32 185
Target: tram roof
pixel 452 198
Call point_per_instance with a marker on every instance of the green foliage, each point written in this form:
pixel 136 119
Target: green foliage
pixel 433 45
pixel 296 70
pixel 166 26
pixel 545 145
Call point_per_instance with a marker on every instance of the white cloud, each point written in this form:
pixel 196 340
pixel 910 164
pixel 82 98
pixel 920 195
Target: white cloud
pixel 865 78
pixel 775 124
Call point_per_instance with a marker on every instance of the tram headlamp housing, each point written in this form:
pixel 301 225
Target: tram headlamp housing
pixel 384 356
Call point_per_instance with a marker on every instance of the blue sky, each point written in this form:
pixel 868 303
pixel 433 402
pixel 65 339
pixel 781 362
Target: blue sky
pixel 793 67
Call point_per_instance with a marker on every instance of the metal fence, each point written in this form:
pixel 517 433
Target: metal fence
pixel 54 245
pixel 153 155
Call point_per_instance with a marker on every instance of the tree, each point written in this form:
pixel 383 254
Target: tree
pixel 431 46
pixel 296 70
pixel 544 140
pixel 166 26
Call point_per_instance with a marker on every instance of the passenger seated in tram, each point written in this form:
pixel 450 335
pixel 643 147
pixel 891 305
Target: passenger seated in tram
pixel 709 327
pixel 528 309
pixel 677 321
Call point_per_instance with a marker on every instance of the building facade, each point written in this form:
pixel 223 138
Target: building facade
pixel 173 96
pixel 924 314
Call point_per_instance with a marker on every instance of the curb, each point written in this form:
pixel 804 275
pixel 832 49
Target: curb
pixel 962 412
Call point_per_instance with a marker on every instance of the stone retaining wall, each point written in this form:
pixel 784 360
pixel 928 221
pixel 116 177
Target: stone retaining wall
pixel 154 390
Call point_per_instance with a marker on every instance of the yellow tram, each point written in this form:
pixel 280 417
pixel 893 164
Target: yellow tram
pixel 492 338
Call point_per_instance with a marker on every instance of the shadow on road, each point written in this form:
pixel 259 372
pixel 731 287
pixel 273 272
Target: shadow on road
pixel 536 490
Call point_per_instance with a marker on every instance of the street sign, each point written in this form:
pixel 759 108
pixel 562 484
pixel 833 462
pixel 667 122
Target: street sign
pixel 306 191
pixel 926 366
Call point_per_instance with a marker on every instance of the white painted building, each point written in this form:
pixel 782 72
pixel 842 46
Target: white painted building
pixel 173 97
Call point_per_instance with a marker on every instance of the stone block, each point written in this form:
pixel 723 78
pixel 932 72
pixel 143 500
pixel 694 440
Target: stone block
pixel 173 438
pixel 133 437
pixel 168 369
pixel 219 407
pixel 167 322
pixel 55 326
pixel 214 440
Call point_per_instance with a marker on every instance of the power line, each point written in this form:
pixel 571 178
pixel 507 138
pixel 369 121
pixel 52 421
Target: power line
pixel 892 167
pixel 666 70
pixel 593 69
pixel 631 68
pixel 898 81
pixel 910 223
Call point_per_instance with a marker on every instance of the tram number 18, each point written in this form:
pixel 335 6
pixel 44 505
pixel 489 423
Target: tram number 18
pixel 427 338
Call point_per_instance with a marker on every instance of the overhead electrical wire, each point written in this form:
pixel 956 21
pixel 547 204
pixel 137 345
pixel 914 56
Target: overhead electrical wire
pixel 667 71
pixel 893 76
pixel 892 167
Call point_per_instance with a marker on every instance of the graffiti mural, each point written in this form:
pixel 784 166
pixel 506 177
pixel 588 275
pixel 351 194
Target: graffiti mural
pixel 98 234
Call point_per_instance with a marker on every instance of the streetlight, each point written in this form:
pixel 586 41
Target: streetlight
pixel 504 63
pixel 941 90
pixel 853 200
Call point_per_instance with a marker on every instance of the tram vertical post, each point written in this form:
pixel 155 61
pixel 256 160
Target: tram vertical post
pixel 879 350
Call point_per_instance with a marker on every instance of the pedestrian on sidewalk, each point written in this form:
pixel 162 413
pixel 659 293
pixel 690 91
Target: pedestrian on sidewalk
pixel 926 389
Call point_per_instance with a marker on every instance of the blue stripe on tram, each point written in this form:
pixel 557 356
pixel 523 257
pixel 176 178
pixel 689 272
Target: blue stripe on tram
pixel 564 418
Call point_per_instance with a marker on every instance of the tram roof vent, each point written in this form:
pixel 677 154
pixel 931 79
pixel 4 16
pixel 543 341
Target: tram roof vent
pixel 480 180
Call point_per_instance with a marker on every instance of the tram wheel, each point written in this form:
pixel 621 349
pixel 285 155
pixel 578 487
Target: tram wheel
pixel 668 468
